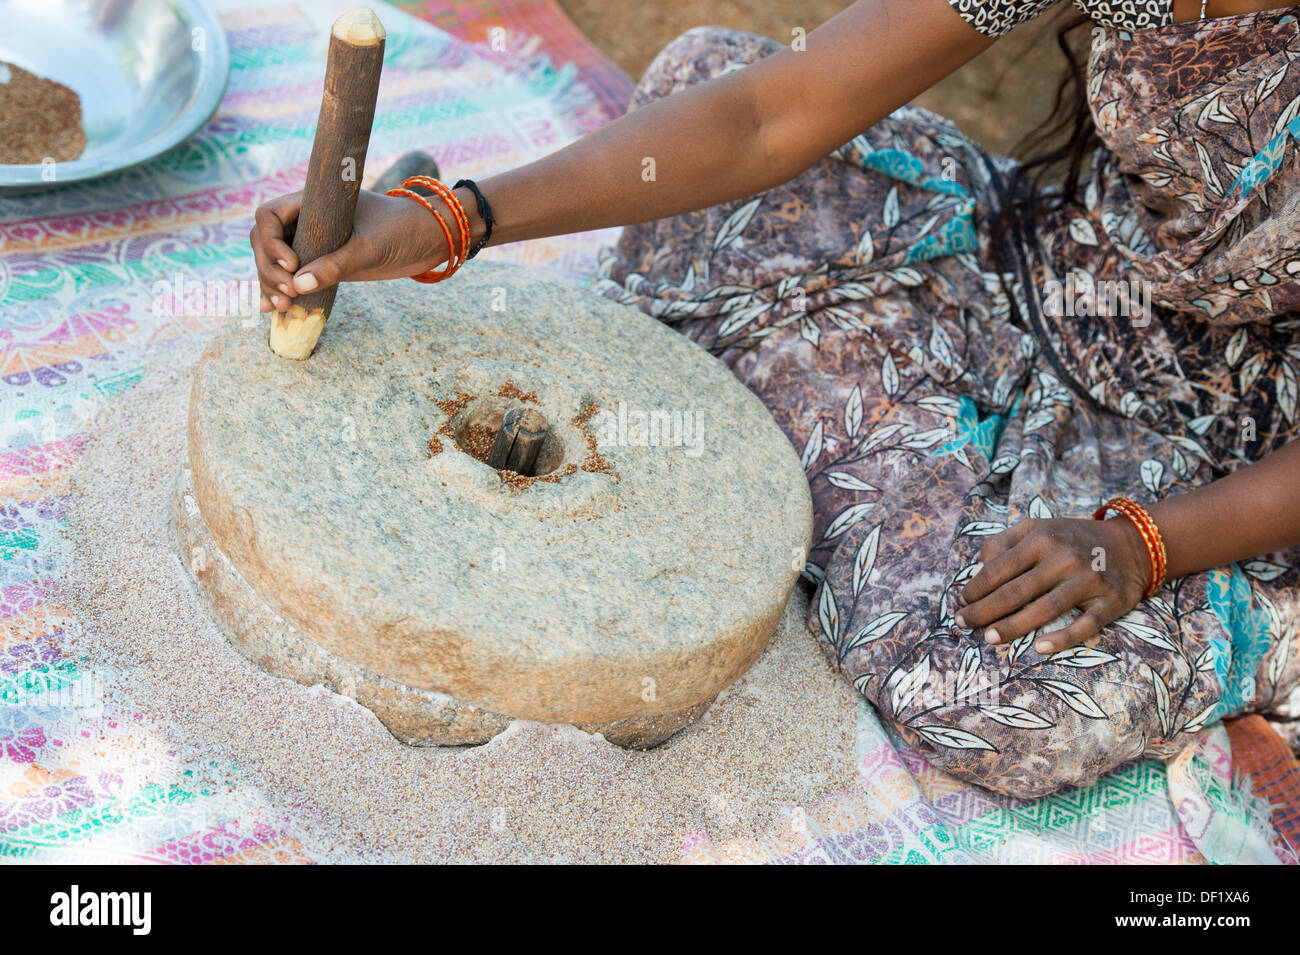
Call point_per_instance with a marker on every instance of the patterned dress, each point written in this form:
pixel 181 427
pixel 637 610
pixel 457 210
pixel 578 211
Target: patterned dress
pixel 1142 344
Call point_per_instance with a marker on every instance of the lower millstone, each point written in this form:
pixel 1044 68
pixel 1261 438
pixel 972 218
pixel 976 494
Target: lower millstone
pixel 416 717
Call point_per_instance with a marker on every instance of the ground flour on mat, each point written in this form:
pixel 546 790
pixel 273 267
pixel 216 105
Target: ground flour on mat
pixel 780 738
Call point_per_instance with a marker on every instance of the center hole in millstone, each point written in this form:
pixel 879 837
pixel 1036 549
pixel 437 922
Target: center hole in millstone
pixel 528 445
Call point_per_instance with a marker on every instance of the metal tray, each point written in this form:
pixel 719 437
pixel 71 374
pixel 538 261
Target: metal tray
pixel 149 73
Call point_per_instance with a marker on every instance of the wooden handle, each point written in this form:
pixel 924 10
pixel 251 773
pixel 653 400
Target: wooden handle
pixel 338 158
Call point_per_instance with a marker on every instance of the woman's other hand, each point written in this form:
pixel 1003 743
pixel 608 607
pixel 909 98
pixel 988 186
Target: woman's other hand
pixel 1037 570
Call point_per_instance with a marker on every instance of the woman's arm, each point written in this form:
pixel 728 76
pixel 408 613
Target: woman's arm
pixel 1037 570
pixel 729 137
pixel 1252 512
pixel 745 132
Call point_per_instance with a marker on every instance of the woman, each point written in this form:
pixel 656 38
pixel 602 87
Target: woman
pixel 970 365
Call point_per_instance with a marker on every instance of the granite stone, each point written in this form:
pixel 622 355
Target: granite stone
pixel 342 536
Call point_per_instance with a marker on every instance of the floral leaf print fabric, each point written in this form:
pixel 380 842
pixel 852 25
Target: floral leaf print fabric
pixel 936 401
pixel 1181 201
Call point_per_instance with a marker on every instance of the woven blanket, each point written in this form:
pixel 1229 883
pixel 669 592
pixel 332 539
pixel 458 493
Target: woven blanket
pixel 481 86
pixel 1209 805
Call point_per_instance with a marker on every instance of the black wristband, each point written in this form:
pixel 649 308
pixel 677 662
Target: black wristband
pixel 484 213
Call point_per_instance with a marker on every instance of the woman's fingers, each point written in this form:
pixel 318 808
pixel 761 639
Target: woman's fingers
pixel 283 254
pixel 273 225
pixel 338 266
pixel 274 281
pixel 1007 599
pixel 999 544
pixel 276 218
pixel 1087 625
pixel 275 299
pixel 1066 595
pixel 1005 556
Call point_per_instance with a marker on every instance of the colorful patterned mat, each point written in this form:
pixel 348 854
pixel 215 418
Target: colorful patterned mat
pixel 1207 806
pixel 494 84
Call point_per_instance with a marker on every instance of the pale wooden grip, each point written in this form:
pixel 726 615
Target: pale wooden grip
pixel 338 158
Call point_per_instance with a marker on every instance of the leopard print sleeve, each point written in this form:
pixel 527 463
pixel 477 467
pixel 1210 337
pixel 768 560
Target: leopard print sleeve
pixel 998 17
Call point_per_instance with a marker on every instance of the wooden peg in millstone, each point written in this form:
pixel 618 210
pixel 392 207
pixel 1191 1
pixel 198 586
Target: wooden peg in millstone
pixel 523 431
pixel 338 158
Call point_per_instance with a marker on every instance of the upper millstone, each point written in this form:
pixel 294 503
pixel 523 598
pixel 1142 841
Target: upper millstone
pixel 640 573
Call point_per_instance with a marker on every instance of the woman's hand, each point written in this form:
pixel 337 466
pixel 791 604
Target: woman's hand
pixel 392 237
pixel 1037 570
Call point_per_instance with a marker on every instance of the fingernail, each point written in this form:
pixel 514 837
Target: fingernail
pixel 283 264
pixel 991 636
pixel 961 622
pixel 1043 646
pixel 283 288
pixel 305 282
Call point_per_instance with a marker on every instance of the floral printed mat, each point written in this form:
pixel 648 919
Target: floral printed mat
pixel 78 270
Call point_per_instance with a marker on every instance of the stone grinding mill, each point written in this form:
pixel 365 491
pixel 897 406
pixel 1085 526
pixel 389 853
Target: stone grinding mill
pixel 341 518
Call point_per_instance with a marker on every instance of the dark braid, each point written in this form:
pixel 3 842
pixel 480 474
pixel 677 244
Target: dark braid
pixel 1067 137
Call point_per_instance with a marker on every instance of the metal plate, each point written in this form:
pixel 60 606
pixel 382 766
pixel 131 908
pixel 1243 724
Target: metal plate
pixel 149 73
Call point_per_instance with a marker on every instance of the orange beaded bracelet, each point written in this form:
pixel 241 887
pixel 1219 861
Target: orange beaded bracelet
pixel 1151 536
pixel 453 203
pixel 456 257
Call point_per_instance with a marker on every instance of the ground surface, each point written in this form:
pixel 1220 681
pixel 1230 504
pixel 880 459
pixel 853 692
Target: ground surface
pixel 996 98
